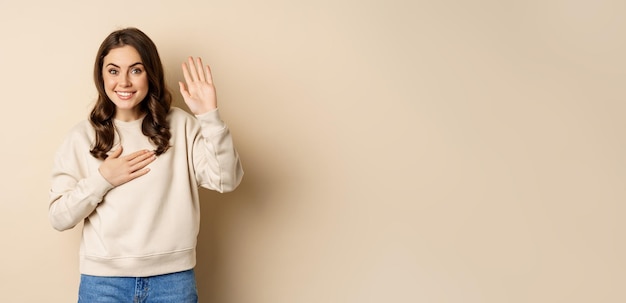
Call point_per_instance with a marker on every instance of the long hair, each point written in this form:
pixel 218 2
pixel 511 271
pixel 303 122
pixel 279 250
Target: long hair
pixel 156 105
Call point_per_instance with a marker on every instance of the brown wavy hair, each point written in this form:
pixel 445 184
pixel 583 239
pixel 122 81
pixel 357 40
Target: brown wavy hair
pixel 156 105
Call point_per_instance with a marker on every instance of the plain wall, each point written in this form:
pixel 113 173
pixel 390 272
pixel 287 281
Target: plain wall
pixel 395 151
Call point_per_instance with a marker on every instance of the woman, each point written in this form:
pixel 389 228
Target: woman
pixel 131 175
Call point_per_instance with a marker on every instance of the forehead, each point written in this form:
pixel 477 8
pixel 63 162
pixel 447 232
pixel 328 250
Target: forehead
pixel 122 56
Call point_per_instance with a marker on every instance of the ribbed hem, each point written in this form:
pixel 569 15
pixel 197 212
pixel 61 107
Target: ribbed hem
pixel 138 266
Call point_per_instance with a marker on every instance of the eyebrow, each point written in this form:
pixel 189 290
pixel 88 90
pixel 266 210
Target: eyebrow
pixel 132 65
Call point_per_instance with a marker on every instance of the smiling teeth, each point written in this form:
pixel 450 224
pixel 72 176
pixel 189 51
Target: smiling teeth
pixel 124 94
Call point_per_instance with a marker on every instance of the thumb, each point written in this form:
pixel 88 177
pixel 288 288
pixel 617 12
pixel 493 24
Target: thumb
pixel 116 153
pixel 183 89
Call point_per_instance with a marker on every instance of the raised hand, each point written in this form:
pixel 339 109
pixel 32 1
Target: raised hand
pixel 119 170
pixel 199 93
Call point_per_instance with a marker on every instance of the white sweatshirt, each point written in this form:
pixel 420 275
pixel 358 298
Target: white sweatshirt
pixel 147 226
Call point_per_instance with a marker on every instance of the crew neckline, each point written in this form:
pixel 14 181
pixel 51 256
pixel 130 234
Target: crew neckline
pixel 129 123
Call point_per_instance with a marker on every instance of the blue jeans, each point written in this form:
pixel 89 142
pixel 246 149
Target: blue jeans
pixel 177 287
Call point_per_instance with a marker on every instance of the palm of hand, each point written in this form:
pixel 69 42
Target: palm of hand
pixel 199 93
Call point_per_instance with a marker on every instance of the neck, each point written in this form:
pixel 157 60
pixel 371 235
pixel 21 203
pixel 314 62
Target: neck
pixel 128 115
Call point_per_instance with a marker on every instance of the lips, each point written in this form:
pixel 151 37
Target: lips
pixel 124 95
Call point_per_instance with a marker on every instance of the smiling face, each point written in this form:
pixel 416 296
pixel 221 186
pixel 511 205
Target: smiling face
pixel 125 81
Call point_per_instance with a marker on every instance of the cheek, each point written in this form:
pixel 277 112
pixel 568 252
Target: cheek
pixel 108 83
pixel 142 82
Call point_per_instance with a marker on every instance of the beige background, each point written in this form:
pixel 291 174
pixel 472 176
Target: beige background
pixel 395 151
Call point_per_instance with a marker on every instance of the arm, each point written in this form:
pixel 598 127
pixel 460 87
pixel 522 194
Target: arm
pixel 75 192
pixel 72 200
pixel 216 162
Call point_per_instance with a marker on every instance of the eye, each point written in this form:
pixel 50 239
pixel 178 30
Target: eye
pixel 136 71
pixel 112 71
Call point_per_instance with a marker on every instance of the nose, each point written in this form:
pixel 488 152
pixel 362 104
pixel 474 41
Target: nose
pixel 124 80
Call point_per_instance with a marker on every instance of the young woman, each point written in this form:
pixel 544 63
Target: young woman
pixel 131 174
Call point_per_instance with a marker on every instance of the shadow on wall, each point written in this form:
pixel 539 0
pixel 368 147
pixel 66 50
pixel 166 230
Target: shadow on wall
pixel 227 219
pixel 224 219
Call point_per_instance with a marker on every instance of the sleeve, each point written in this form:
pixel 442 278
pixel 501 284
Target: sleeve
pixel 216 161
pixel 73 194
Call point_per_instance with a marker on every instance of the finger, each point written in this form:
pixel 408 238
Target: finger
pixel 209 76
pixel 140 158
pixel 116 153
pixel 141 162
pixel 183 90
pixel 192 69
pixel 186 73
pixel 138 173
pixel 200 69
pixel 137 154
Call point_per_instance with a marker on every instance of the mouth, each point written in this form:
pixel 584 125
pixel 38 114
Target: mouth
pixel 124 95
